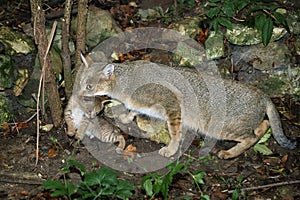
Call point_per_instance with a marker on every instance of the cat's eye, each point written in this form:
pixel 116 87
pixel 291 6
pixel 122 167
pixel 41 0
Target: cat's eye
pixel 89 87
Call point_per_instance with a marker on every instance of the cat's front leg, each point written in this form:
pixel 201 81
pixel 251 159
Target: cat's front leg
pixel 175 134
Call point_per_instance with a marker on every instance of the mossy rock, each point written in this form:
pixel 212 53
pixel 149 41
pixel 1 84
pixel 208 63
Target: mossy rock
pixel 5 109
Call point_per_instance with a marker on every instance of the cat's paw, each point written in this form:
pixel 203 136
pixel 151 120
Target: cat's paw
pixel 167 151
pixel 79 136
pixel 71 131
pixel 223 154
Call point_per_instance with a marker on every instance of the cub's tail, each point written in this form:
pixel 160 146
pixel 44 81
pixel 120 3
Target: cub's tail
pixel 277 131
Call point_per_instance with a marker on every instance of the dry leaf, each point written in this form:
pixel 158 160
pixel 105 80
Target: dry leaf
pixel 284 159
pixel 52 153
pixel 47 127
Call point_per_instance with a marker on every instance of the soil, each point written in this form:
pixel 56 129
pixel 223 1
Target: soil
pixel 263 177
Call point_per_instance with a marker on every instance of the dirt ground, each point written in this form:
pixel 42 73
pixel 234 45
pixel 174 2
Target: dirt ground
pixel 276 176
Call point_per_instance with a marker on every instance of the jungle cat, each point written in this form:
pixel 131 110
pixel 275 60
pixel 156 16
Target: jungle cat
pixel 80 116
pixel 246 106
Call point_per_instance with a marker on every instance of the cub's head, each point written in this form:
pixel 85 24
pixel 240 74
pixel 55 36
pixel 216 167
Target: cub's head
pixel 97 78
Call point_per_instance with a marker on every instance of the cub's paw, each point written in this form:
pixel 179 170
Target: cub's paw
pixel 223 154
pixel 119 150
pixel 167 152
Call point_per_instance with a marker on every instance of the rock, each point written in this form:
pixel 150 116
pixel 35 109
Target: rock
pixel 214 45
pixel 293 22
pixel 100 26
pixel 269 68
pixel 188 27
pixel 6 72
pixel 148 14
pixel 5 108
pixel 15 42
pixel 275 56
pixel 243 35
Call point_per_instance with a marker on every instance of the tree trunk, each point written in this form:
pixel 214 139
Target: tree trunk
pixel 38 19
pixel 65 48
pixel 80 35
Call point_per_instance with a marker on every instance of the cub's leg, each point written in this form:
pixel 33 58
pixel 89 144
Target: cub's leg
pixel 121 145
pixel 246 143
pixel 71 129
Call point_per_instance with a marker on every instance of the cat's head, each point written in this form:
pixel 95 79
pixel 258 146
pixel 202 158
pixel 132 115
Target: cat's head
pixel 97 79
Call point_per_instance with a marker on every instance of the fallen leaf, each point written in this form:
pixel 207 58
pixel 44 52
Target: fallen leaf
pixel 52 153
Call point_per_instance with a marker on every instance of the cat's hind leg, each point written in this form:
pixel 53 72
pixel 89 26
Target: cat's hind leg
pixel 246 143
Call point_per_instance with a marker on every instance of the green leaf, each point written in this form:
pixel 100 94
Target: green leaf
pixel 53 184
pixel 280 18
pixel 70 188
pixel 235 194
pixel 214 1
pixel 259 21
pixel 59 188
pixel 215 25
pixel 267 31
pixel 74 163
pixel 213 12
pixel 124 189
pixel 199 177
pixel 213 4
pixel 242 4
pixel 240 178
pixel 148 187
pixel 225 22
pixel 205 197
pixel 229 9
pixel 266 137
pixel 256 8
pixel 263 149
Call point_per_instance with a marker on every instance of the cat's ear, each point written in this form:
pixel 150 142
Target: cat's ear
pixel 85 60
pixel 109 71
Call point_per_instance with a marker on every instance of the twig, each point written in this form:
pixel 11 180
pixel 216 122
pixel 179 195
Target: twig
pixel 39 93
pixel 26 121
pixel 268 186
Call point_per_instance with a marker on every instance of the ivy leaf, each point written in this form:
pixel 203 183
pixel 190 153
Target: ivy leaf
pixel 267 31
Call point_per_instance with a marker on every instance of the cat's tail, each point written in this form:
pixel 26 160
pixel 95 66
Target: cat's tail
pixel 275 124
